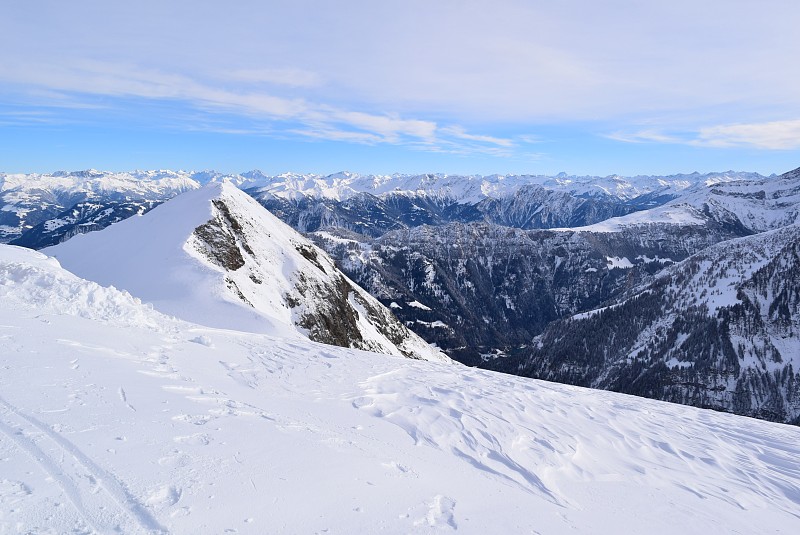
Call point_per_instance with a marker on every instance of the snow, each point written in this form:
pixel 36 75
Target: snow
pixel 673 362
pixel 723 267
pixel 53 224
pixel 647 260
pixel 140 423
pixel 671 214
pixel 618 262
pixel 147 256
pixel 472 189
pixel 758 203
pixel 432 324
pixel 417 304
pixel 333 238
pixel 130 183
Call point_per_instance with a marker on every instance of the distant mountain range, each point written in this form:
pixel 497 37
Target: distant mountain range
pixel 37 210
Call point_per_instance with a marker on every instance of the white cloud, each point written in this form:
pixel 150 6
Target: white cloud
pixel 509 60
pixel 284 77
pixel 89 80
pixel 774 135
pixel 645 136
pixel 460 133
pixel 331 133
pixel 390 127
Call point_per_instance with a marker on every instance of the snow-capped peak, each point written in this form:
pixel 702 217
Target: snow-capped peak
pixel 216 257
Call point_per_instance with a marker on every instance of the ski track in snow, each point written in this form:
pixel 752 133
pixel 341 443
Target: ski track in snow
pixel 99 497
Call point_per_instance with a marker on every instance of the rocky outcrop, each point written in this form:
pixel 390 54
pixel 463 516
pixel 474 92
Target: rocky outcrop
pixel 258 254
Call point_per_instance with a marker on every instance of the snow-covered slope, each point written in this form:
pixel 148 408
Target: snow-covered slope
pixel 114 418
pixel 753 205
pixel 216 257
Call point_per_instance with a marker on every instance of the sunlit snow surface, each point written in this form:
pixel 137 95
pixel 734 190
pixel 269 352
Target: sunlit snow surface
pixel 115 418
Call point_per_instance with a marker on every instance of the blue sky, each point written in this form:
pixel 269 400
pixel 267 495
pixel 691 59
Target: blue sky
pixel 455 86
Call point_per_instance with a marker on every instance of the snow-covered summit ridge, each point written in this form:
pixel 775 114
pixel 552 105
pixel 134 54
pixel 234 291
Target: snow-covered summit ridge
pixel 134 183
pixel 215 256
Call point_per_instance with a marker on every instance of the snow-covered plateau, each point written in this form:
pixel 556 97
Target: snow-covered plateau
pixel 116 418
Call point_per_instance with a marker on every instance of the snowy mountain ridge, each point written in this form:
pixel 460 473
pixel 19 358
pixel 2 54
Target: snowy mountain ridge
pixel 343 185
pixel 753 205
pixel 474 188
pixel 216 257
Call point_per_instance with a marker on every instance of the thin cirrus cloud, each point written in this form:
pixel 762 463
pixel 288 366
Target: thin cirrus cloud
pixel 770 135
pixel 285 77
pixel 773 135
pixel 84 80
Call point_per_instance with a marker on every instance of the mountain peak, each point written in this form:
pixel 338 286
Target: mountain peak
pixel 216 257
pixel 794 173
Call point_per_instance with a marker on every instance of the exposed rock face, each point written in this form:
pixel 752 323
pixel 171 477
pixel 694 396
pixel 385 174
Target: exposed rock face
pixel 256 251
pixel 222 239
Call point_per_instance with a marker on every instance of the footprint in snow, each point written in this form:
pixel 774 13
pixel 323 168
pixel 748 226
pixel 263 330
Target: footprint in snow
pixel 197 439
pixel 163 497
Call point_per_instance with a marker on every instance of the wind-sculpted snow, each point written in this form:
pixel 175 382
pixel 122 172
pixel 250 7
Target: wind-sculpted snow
pixel 32 281
pixel 118 427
